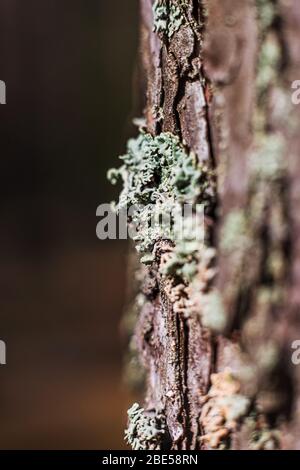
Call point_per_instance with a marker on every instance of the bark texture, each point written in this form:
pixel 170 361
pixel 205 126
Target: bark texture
pixel 222 83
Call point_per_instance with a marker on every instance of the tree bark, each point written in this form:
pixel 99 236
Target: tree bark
pixel 222 83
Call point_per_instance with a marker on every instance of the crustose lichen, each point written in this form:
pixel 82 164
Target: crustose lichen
pixel 146 429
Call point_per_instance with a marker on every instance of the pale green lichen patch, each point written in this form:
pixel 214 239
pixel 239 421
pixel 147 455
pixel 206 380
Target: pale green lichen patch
pixel 268 356
pixel 182 263
pixel 267 11
pixel 268 163
pixel 184 259
pixel 156 168
pixel 225 408
pixel 213 313
pixel 168 17
pixel 262 436
pixel 271 100
pixel 268 64
pixel 269 61
pixel 146 429
pixel 159 176
pixel 234 235
pixel 267 439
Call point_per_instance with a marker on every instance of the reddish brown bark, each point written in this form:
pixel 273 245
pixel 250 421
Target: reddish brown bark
pixel 201 85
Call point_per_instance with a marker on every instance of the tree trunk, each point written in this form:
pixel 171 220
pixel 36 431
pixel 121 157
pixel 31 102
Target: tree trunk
pixel 217 351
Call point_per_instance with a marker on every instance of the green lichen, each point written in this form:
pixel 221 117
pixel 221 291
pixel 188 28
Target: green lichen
pixel 213 313
pixel 262 436
pixel 268 356
pixel 267 11
pixel 268 163
pixel 267 296
pixel 168 17
pixel 183 262
pixel 237 407
pixel 224 408
pixel 269 61
pixel 234 234
pixel 159 176
pixel 265 440
pixel 268 64
pixel 146 429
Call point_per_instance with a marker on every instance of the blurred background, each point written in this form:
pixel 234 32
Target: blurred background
pixel 68 68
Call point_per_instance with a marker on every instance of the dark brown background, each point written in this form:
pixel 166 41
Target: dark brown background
pixel 68 67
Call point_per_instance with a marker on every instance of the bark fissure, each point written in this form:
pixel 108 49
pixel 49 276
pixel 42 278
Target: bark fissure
pixel 221 83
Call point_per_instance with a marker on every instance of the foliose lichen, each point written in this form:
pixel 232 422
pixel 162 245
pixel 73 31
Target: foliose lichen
pixel 146 429
pixel 186 291
pixel 159 176
pixel 168 17
pixel 184 258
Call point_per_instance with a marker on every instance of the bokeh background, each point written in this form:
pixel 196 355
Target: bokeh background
pixel 68 67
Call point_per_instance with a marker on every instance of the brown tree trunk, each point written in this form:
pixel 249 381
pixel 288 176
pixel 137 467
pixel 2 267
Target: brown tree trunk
pixel 219 372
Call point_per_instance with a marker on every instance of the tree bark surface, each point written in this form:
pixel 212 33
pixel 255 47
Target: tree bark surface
pixel 203 84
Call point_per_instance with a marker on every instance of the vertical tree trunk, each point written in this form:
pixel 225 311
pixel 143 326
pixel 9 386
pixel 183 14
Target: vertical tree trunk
pixel 217 350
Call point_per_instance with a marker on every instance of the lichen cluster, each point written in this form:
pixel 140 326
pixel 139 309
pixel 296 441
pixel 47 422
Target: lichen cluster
pixel 159 176
pixel 267 163
pixel 168 17
pixel 266 12
pixel 269 61
pixel 262 436
pixel 223 409
pixel 146 429
pixel 268 67
pixel 245 230
pixel 183 260
pixel 235 234
pixel 213 314
pixel 265 439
